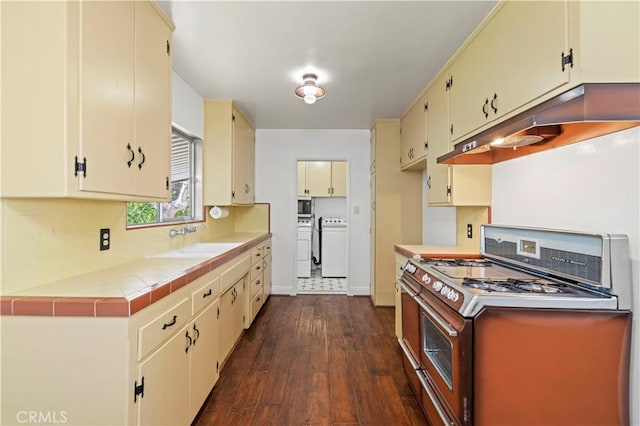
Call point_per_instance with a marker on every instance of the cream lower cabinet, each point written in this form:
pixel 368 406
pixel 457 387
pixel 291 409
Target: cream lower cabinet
pixel 232 316
pixel 205 361
pixel 228 155
pixel 163 396
pixel 154 367
pixel 266 291
pixel 95 77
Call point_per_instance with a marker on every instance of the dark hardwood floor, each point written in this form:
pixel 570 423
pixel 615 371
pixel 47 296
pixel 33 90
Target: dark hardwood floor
pixel 315 360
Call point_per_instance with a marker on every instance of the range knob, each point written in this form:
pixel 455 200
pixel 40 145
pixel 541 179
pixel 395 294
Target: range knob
pixel 410 268
pixel 437 286
pixel 426 279
pixel 452 295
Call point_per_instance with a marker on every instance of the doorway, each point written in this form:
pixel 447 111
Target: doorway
pixel 322 231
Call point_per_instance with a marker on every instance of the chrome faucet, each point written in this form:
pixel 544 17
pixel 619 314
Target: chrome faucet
pixel 188 229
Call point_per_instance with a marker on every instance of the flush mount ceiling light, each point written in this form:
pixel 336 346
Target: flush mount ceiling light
pixel 310 91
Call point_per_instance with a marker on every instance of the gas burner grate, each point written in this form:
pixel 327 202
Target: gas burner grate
pixel 513 285
pixel 455 262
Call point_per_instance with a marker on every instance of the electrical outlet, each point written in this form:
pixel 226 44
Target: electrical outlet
pixel 469 230
pixel 105 239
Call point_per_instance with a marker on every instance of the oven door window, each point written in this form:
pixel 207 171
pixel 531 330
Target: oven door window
pixel 438 349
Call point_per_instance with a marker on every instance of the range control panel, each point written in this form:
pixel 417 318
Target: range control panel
pixel 434 286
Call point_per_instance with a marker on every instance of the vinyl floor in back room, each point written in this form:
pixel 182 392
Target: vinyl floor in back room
pixel 315 360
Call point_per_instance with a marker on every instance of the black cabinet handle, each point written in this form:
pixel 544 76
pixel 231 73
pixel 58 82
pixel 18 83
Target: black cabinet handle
pixel 484 108
pixel 207 294
pixel 197 332
pixel 428 185
pixel 143 158
pixel 258 267
pixel 170 323
pixel 133 155
pixel 494 103
pixel 189 341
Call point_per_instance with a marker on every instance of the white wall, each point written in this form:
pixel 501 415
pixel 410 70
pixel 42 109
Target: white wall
pixel 277 153
pixel 591 186
pixel 187 108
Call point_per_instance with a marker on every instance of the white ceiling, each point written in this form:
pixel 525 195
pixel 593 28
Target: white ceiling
pixel 372 57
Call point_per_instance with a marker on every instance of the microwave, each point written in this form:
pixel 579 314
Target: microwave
pixel 304 207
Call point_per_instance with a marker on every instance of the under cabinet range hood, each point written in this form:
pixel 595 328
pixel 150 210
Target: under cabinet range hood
pixel 584 112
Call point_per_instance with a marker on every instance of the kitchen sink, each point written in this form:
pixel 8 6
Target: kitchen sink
pixel 199 250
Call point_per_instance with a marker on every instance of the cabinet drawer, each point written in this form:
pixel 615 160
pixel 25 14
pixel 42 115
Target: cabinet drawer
pixel 256 255
pixel 256 285
pixel 162 328
pixel 234 272
pixel 256 271
pixel 256 304
pixel 207 290
pixel 267 248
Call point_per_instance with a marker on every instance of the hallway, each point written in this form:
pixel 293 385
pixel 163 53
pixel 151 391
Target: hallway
pixel 315 359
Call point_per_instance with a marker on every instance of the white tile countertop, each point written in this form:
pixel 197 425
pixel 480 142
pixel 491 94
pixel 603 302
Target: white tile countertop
pixel 124 289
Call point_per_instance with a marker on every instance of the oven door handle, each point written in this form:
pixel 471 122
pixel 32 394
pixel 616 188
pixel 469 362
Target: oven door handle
pixel 433 314
pixel 425 385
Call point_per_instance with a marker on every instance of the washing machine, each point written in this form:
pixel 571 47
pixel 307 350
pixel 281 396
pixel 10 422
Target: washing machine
pixel 334 247
pixel 304 248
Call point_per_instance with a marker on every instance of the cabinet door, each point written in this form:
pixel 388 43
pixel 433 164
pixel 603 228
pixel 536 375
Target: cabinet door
pixel 240 307
pixel 302 179
pixel 251 165
pixel 412 136
pixel 152 102
pixel 166 383
pixel 525 72
pixel 438 179
pixel 470 76
pixel 241 187
pixel 338 178
pixel 107 94
pixel 227 340
pixel 267 277
pixel 319 178
pixel 204 356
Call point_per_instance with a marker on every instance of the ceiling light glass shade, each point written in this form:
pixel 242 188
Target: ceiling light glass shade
pixel 310 91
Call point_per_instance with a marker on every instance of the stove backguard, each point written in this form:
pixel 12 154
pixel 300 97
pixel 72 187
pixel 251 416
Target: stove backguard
pixel 598 261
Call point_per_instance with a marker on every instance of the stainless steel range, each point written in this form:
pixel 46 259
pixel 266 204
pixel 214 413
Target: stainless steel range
pixel 536 332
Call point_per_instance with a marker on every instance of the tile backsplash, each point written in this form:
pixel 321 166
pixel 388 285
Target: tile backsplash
pixel 45 240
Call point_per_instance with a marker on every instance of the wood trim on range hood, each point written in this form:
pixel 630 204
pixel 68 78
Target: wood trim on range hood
pixel 581 113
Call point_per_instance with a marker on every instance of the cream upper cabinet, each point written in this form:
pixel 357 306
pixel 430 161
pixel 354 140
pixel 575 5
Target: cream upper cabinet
pixel 604 40
pixel 413 144
pixel 95 77
pixel 228 153
pixel 496 73
pixel 319 178
pixel 303 190
pixel 152 105
pixel 338 178
pixel 450 185
pixel 322 178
